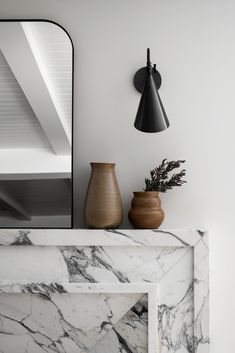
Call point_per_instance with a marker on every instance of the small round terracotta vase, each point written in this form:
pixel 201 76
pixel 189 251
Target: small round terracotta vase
pixel 103 207
pixel 146 212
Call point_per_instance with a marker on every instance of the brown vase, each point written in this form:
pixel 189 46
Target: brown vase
pixel 146 210
pixel 103 207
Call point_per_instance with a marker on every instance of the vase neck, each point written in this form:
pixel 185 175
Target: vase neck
pixel 145 194
pixel 102 165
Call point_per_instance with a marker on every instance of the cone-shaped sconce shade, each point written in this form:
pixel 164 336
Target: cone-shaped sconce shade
pixel 151 116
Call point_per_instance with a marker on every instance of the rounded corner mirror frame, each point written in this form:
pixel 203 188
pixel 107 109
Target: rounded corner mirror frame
pixel 72 117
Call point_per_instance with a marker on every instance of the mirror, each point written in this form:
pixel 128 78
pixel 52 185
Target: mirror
pixel 36 108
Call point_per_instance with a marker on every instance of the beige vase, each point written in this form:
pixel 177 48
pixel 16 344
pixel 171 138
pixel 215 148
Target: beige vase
pixel 146 210
pixel 103 207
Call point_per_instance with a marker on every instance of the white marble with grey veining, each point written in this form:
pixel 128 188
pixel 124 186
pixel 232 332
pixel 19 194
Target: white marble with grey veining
pixel 82 316
pixel 79 321
pixel 175 260
pixel 87 237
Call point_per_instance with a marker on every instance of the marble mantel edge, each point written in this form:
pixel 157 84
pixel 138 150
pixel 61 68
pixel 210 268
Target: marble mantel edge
pixel 112 237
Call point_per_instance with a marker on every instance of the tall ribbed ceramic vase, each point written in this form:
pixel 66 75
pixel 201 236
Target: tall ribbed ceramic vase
pixel 103 207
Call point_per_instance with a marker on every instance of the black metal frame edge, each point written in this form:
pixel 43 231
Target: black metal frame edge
pixel 72 149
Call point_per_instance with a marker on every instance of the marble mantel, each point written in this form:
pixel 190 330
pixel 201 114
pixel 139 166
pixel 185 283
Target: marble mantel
pixel 104 291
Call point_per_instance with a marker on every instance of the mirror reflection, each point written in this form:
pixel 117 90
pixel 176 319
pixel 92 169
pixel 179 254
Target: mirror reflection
pixel 35 125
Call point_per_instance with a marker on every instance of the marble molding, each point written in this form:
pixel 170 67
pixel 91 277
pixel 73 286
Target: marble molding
pixel 95 291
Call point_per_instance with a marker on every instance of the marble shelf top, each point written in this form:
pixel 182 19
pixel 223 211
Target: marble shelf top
pixel 91 237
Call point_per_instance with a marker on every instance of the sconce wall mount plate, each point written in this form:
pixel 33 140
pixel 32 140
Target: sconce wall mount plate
pixel 141 77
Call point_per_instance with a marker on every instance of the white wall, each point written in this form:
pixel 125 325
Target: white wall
pixel 192 43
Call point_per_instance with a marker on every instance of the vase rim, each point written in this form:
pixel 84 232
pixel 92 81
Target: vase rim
pixel 146 193
pixel 102 165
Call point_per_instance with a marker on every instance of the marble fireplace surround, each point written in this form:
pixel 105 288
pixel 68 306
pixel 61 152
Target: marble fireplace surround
pixel 73 291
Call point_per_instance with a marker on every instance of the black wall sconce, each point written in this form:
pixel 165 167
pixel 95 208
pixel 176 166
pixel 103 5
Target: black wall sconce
pixel 151 115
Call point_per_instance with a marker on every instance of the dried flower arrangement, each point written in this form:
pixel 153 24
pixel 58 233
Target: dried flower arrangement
pixel 160 180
